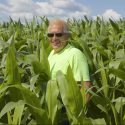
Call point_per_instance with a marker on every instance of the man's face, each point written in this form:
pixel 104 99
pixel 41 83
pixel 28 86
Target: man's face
pixel 57 38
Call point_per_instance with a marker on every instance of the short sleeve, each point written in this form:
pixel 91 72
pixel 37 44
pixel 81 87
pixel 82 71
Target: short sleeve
pixel 79 66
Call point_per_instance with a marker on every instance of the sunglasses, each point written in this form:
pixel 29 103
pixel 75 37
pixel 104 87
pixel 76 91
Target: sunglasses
pixel 56 34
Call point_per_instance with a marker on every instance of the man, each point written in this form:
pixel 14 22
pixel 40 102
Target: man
pixel 63 54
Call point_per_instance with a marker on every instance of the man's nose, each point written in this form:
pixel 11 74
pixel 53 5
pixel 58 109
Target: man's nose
pixel 54 36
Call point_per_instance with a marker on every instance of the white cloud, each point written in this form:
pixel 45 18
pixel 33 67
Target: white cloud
pixel 17 9
pixel 110 13
pixel 19 6
pixel 62 3
pixel 45 9
pixel 52 8
pixel 3 12
pixel 22 15
pixel 72 8
pixel 77 14
pixel 3 8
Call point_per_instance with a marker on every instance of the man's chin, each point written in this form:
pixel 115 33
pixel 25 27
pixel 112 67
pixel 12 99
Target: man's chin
pixel 57 49
pixel 56 46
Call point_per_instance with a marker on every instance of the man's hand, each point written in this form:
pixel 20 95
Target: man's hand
pixel 87 85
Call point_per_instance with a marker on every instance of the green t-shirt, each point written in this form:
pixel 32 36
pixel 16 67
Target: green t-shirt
pixel 69 56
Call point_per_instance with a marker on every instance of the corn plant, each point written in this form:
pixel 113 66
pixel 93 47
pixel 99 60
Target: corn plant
pixel 29 96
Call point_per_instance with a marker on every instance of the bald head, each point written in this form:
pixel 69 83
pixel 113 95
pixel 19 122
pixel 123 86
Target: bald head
pixel 58 34
pixel 61 23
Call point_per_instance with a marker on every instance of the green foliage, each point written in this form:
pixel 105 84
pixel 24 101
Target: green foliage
pixel 52 93
pixel 12 72
pixel 71 96
pixel 29 96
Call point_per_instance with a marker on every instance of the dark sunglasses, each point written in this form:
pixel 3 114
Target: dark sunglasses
pixel 56 34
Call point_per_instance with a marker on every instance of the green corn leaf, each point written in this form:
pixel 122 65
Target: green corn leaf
pixel 18 113
pixel 124 118
pixel 114 25
pixel 9 106
pixel 40 70
pixel 32 122
pixel 119 102
pixel 51 99
pixel 118 73
pixel 44 59
pixel 39 114
pixel 37 67
pixel 88 55
pixel 101 50
pixel 120 54
pixel 115 63
pixel 98 121
pixel 28 95
pixel 33 80
pixel 115 114
pixel 12 73
pixel 9 118
pixel 31 100
pixel 100 102
pixel 104 78
pixel 71 95
pixel 30 58
pixel 42 67
pixel 25 116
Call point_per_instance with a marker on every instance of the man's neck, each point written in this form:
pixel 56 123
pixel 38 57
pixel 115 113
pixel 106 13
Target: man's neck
pixel 59 50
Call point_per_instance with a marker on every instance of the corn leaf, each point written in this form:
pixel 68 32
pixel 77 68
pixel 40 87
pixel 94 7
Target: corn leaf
pixel 12 73
pixel 104 78
pixel 71 95
pixel 9 118
pixel 88 55
pixel 18 112
pixel 31 100
pixel 115 114
pixel 44 59
pixel 114 25
pixel 98 121
pixel 9 106
pixel 51 99
pixel 118 73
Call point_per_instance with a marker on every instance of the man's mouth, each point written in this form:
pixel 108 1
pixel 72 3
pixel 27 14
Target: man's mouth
pixel 55 43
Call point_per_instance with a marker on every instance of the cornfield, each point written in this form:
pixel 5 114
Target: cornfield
pixel 29 97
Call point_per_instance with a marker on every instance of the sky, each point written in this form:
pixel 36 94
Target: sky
pixel 64 9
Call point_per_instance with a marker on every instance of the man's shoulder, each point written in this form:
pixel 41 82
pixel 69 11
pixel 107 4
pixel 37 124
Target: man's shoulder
pixel 75 50
pixel 76 53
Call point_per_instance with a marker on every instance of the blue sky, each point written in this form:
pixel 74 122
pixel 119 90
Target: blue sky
pixel 61 8
pixel 100 6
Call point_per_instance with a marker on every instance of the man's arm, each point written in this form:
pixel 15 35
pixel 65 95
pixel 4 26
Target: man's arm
pixel 87 85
